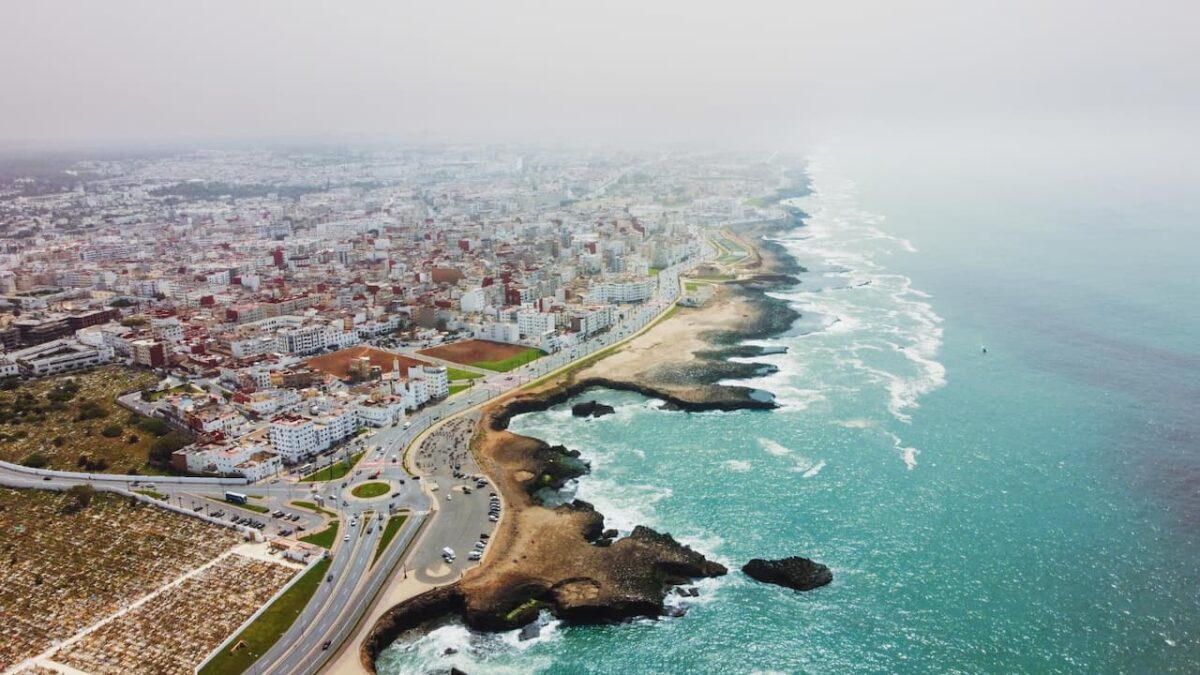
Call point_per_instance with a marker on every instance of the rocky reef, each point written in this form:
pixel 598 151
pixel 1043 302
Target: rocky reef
pixel 591 409
pixel 795 572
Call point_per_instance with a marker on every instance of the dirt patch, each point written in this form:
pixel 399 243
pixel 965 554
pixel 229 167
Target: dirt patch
pixel 468 352
pixel 338 363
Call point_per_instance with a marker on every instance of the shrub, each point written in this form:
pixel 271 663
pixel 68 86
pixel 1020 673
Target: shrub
pixel 86 463
pixel 111 431
pixel 90 410
pixel 133 438
pixel 153 425
pixel 35 460
pixel 79 498
pixel 160 452
pixel 58 441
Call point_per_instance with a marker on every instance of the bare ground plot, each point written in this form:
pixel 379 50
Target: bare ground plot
pixel 482 353
pixel 175 630
pixel 338 363
pixel 73 422
pixel 61 572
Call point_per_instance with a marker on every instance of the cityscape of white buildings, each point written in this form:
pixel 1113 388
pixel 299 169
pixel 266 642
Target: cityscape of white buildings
pixel 232 270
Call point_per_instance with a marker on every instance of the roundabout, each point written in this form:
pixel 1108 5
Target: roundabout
pixel 370 489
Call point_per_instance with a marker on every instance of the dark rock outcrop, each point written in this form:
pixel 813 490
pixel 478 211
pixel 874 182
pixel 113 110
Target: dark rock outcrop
pixel 795 572
pixel 529 632
pixel 554 465
pixel 705 398
pixel 592 409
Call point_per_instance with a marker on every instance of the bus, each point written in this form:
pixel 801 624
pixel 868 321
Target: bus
pixel 235 498
pixel 306 469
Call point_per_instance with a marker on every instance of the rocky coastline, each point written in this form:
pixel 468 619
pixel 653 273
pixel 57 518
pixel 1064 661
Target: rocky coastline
pixel 562 559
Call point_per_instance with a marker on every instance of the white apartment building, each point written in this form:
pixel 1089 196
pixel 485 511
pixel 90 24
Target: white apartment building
pixel 335 425
pixel 473 301
pixel 380 413
pixel 637 290
pixel 8 367
pixel 436 378
pixel 413 392
pixel 293 437
pixel 533 323
pixel 255 345
pixel 499 331
pixel 593 320
pixel 270 401
pixel 59 356
pixel 167 329
pixel 251 461
pixel 314 338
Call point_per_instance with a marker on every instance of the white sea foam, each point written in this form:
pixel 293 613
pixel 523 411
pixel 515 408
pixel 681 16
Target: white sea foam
pixel 739 465
pixel 471 651
pixel 816 469
pixel 881 334
pixel 773 448
pixel 625 504
pixel 907 453
pixel 857 423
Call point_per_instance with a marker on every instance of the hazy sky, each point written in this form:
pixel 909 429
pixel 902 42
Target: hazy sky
pixel 160 70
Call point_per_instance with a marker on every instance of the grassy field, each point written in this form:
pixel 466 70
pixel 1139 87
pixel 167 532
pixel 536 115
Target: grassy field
pixel 73 423
pixel 325 537
pixel 389 533
pixel 152 494
pixel 370 490
pixel 516 361
pixel 269 626
pixel 334 471
pixel 455 388
pixel 460 374
pixel 314 508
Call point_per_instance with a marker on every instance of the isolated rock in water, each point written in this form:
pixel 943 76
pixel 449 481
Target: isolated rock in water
pixel 529 632
pixel 456 671
pixel 591 409
pixel 795 572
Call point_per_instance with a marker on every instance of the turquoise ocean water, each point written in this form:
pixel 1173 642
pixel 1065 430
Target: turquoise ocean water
pixel 1032 509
